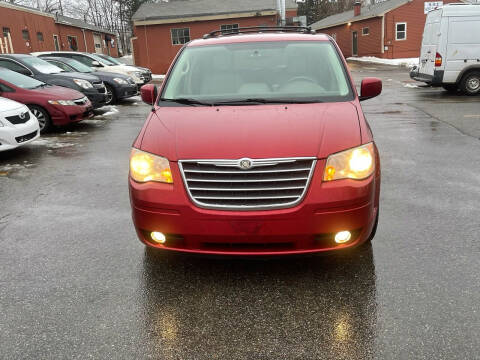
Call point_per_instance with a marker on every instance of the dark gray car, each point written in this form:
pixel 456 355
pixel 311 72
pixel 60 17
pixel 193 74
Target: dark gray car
pixel 41 70
pixel 118 86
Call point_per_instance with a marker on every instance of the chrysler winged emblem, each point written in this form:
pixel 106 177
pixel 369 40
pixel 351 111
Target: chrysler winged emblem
pixel 245 164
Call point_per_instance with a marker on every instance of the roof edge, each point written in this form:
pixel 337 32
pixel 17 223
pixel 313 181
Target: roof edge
pixel 202 17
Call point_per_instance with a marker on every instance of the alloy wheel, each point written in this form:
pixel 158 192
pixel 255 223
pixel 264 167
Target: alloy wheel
pixel 109 97
pixel 42 120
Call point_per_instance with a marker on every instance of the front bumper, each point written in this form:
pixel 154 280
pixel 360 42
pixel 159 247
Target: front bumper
pixel 306 228
pixel 97 98
pixel 126 91
pixel 63 115
pixel 13 136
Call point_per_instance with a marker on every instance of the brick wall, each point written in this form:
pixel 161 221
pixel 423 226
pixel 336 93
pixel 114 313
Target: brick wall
pixel 153 44
pixel 35 22
pixel 411 13
pixel 368 45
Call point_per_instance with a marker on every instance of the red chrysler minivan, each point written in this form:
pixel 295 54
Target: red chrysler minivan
pixel 256 145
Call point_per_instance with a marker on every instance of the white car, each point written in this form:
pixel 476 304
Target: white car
pixel 18 126
pixel 97 63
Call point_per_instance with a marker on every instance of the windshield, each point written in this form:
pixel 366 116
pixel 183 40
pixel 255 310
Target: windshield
pixel 19 80
pixel 78 66
pixel 102 60
pixel 277 71
pixel 111 59
pixel 41 65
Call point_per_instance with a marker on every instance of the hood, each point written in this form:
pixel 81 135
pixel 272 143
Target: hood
pixel 122 68
pixel 110 75
pixel 58 93
pixel 8 105
pixel 264 131
pixel 78 75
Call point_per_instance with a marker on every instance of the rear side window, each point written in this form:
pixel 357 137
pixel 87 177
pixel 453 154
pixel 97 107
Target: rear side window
pixel 12 65
pixel 83 59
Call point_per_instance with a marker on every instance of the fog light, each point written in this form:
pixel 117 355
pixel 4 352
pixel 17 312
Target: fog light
pixel 343 237
pixel 158 237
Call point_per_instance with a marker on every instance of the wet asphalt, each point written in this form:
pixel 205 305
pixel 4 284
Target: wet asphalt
pixel 75 283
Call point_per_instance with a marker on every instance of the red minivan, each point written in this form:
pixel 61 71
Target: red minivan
pixel 51 105
pixel 256 145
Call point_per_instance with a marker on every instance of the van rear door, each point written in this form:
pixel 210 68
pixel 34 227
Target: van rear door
pixel 431 38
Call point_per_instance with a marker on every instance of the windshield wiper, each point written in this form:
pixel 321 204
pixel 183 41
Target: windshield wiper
pixel 266 101
pixel 187 101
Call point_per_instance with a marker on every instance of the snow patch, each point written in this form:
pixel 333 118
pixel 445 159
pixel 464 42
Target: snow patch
pixel 410 85
pixel 406 62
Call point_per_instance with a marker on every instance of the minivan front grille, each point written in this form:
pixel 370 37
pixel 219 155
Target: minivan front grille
pixel 247 184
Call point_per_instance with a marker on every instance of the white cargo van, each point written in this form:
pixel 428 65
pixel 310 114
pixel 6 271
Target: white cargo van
pixel 450 54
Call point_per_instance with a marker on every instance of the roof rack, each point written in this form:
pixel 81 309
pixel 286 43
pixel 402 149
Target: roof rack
pixel 260 29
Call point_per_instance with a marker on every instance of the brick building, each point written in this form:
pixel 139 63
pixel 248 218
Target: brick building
pixel 391 29
pixel 25 30
pixel 161 29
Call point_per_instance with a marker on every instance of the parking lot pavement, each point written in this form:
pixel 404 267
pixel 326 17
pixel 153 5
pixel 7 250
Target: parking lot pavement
pixel 76 283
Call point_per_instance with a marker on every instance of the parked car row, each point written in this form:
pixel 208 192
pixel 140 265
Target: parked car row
pixel 99 78
pixel 38 92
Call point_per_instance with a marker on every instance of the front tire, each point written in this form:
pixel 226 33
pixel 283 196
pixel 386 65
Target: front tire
pixel 43 117
pixel 111 96
pixel 470 84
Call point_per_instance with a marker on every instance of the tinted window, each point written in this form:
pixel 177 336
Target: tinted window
pixel 110 59
pixel 19 80
pixel 12 65
pixel 41 65
pixel 101 60
pixel 78 66
pixel 61 65
pixel 306 70
pixel 83 59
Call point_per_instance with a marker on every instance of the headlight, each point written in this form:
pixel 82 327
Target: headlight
pixel 357 163
pixel 61 102
pixel 135 73
pixel 120 81
pixel 83 83
pixel 146 167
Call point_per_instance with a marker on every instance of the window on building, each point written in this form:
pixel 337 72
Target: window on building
pixel 25 35
pixel 401 31
pixel 72 43
pixel 6 31
pixel 229 28
pixel 180 36
pixel 365 31
pixel 39 36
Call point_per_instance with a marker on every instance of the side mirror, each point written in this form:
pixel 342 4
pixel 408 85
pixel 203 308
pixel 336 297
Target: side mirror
pixel 95 63
pixel 149 93
pixel 370 88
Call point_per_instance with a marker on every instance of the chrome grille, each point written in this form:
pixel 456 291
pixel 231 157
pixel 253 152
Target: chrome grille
pixel 261 184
